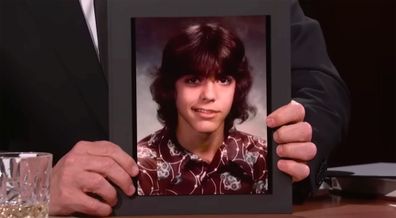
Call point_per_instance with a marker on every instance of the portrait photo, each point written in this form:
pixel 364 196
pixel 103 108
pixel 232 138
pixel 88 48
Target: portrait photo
pixel 191 84
pixel 201 105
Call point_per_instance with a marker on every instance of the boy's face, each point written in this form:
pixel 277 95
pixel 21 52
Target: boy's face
pixel 203 103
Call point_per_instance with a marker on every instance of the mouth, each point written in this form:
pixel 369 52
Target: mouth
pixel 205 113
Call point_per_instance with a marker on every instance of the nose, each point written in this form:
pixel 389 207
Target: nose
pixel 208 93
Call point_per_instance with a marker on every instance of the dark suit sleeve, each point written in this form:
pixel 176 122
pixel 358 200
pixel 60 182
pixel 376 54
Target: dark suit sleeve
pixel 2 121
pixel 3 138
pixel 317 85
pixel 3 129
pixel 2 118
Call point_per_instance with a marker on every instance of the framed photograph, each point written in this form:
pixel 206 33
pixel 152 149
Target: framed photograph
pixel 190 86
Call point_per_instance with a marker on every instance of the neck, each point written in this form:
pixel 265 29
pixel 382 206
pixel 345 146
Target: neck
pixel 205 145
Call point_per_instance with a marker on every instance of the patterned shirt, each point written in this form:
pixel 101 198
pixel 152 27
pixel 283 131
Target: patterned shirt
pixel 239 166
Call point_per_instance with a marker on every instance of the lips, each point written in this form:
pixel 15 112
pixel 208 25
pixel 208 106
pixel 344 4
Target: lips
pixel 205 113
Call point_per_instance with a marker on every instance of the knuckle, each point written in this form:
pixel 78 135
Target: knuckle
pixel 96 182
pixel 130 162
pixel 303 173
pixel 108 164
pixel 308 128
pixel 64 176
pixel 113 198
pixel 108 147
pixel 285 150
pixel 105 143
pixel 306 131
pixel 301 109
pixel 313 150
pixel 128 181
pixel 123 182
pixel 276 116
pixel 286 167
pixel 80 145
pixel 306 171
pixel 275 137
pixel 106 211
pixel 309 150
pixel 70 160
pixel 279 134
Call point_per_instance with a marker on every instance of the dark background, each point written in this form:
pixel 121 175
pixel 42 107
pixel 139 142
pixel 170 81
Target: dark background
pixel 360 37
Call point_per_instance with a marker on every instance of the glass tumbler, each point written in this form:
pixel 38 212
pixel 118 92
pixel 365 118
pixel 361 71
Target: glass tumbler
pixel 24 184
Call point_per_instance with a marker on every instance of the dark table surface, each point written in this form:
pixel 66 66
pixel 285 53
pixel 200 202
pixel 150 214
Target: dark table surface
pixel 322 205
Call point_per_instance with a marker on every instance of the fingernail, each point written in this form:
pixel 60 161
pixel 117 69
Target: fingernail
pixel 270 122
pixel 131 190
pixel 279 150
pixel 281 164
pixel 276 136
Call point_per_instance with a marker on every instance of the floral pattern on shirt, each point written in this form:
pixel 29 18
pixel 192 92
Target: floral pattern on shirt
pixel 166 168
pixel 230 182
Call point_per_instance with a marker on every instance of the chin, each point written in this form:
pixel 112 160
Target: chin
pixel 206 128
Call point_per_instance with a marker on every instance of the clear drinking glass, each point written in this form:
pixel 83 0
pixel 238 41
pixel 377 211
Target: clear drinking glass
pixel 24 184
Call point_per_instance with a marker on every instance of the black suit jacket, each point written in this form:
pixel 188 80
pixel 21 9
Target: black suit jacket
pixel 53 92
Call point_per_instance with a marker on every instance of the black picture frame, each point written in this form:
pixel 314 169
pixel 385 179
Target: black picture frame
pixel 120 66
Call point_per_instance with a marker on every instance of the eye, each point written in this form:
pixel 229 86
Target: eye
pixel 225 80
pixel 192 80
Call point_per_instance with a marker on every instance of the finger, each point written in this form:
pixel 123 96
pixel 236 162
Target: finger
pixel 98 185
pixel 297 151
pixel 298 132
pixel 73 200
pixel 297 170
pixel 91 206
pixel 108 149
pixel 290 113
pixel 106 167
